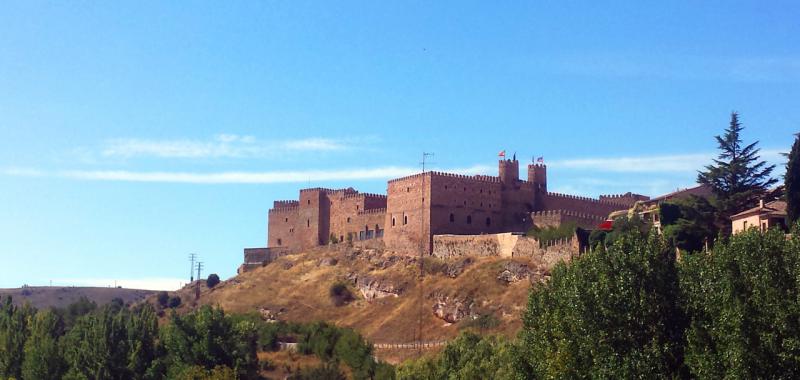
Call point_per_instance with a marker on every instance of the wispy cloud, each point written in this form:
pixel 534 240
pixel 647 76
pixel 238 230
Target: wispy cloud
pixel 220 146
pixel 297 176
pixel 158 283
pixel 652 164
pixel 657 164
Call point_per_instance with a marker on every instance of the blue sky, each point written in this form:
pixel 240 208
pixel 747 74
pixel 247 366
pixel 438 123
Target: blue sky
pixel 134 133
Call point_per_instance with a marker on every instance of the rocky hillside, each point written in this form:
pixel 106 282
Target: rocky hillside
pixel 378 293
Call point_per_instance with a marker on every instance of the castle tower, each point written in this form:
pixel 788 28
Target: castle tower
pixel 537 174
pixel 509 171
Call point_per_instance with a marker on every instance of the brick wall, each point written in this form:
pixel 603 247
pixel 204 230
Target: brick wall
pixel 406 207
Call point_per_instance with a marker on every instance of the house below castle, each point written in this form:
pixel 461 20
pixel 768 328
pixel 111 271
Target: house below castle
pixel 417 207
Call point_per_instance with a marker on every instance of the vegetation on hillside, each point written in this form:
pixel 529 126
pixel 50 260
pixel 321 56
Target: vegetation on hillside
pixel 114 342
pixel 633 311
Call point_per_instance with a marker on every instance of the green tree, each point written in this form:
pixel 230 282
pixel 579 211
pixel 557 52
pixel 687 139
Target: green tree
pixel 43 358
pixel 608 314
pixel 469 356
pixel 143 354
pixel 97 346
pixel 208 338
pixel 745 312
pixel 689 223
pixel 792 182
pixel 13 334
pixel 738 177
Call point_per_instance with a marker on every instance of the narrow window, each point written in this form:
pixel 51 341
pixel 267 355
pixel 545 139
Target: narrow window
pixel 341 238
pixel 452 218
pixel 481 204
pixel 445 187
pixel 408 189
pixel 356 207
pixel 348 219
pixel 405 219
pixel 279 241
pixel 481 191
pixel 286 220
pixel 309 201
pixel 392 221
pixel 469 219
pixel 488 222
pixel 465 203
pixel 308 222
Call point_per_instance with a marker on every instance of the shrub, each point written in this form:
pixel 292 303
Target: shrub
pixel 212 280
pixel 163 299
pixel 174 302
pixel 340 294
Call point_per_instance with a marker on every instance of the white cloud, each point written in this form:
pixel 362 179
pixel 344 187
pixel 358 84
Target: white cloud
pixel 158 283
pixel 222 145
pixel 290 176
pixel 686 163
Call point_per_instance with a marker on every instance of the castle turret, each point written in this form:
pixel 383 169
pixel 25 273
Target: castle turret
pixel 509 171
pixel 537 174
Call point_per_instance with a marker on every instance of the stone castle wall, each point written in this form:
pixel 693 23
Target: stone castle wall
pixel 555 218
pixel 419 206
pixel 505 245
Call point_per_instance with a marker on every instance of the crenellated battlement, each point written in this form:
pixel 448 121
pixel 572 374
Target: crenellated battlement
pixel 586 199
pixel 571 213
pixel 284 209
pixel 285 203
pixel 372 211
pixel 542 166
pixel 479 177
pixel 363 195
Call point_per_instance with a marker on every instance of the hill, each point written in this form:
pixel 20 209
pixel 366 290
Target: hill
pixel 43 297
pixel 485 293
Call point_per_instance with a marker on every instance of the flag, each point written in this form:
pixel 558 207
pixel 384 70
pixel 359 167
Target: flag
pixel 606 225
pixel 540 160
pixel 502 154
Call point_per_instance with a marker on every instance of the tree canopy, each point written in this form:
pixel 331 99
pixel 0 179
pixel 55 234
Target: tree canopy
pixel 738 177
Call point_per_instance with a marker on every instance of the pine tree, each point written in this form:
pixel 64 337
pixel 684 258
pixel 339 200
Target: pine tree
pixel 738 177
pixel 792 181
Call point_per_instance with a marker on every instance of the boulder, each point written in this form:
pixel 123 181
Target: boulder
pixel 453 309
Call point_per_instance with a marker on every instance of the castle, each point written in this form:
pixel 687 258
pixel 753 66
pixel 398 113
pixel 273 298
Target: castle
pixel 417 207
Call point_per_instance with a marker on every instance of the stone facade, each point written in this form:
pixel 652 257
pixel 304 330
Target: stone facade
pixel 506 245
pixel 418 207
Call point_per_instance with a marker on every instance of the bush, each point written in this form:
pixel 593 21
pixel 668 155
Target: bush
pixel 212 280
pixel 340 294
pixel 174 302
pixel 163 299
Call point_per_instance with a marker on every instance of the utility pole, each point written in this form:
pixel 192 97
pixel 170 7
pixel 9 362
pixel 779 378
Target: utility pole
pixel 192 258
pixel 424 242
pixel 199 269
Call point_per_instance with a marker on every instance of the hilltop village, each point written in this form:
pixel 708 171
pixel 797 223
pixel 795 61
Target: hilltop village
pixel 440 214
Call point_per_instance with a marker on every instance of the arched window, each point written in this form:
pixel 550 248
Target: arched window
pixel 452 218
pixel 469 219
pixel 488 222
